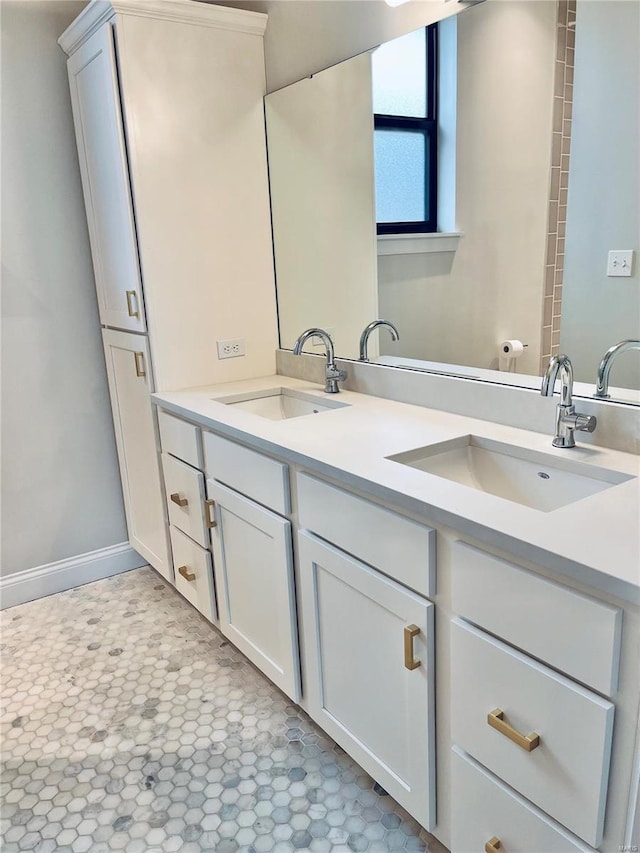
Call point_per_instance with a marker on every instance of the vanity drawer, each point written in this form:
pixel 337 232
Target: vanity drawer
pixel 483 808
pixel 397 546
pixel 567 630
pixel 252 474
pixel 185 498
pixel 180 439
pixel 193 573
pixel 566 775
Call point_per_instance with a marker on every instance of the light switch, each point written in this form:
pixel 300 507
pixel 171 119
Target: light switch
pixel 620 262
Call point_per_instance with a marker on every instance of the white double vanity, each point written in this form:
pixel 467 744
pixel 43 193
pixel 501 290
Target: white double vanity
pixel 433 629
pixel 452 599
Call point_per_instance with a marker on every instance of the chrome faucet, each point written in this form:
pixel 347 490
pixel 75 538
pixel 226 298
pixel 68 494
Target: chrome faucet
pixel 332 374
pixel 567 419
pixel 602 381
pixel 364 337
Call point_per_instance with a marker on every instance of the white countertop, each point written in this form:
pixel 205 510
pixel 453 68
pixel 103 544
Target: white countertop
pixel 595 540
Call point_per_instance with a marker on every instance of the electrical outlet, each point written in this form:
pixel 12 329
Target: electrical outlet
pixel 233 348
pixel 620 262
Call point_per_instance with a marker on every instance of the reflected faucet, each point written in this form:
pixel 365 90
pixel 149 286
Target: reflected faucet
pixel 364 337
pixel 602 381
pixel 567 419
pixel 332 374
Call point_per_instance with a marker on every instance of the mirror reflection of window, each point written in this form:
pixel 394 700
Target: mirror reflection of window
pixel 405 117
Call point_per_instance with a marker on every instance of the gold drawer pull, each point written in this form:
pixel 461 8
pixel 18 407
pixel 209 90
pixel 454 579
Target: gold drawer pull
pixel 186 574
pixel 492 845
pixel 527 742
pixel 132 300
pixel 210 514
pixel 410 632
pixel 178 500
pixel 139 360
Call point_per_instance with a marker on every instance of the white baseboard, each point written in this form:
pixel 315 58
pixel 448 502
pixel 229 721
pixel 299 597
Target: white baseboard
pixel 66 574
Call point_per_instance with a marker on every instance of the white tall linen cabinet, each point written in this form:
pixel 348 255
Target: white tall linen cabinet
pixel 167 99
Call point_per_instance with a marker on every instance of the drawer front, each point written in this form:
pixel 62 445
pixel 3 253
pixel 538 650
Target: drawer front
pixel 581 636
pixel 180 439
pixel 252 474
pixel 185 498
pixel 566 775
pixel 483 808
pixel 194 573
pixel 397 546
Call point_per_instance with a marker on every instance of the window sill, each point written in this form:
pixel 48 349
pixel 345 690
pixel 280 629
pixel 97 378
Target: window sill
pixel 416 244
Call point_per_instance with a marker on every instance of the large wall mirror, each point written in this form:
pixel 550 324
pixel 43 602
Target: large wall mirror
pixel 537 181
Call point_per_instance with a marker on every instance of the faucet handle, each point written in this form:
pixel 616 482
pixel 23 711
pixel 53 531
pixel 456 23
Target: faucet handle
pixel 576 421
pixel 583 423
pixel 335 373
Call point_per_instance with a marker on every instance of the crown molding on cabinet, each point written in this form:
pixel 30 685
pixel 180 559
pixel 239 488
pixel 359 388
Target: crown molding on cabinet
pixel 184 11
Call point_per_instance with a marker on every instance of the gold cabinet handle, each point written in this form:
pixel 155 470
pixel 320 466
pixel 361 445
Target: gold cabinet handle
pixel 186 574
pixel 210 514
pixel 132 304
pixel 492 845
pixel 527 742
pixel 139 360
pixel 410 632
pixel 178 500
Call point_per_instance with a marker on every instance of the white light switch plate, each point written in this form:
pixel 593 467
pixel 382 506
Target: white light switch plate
pixel 620 262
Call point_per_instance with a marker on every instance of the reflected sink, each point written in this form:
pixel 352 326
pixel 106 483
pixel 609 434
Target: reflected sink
pixel 279 404
pixel 526 477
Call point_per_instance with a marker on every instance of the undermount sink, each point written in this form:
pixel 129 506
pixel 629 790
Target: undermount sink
pixel 516 474
pixel 279 404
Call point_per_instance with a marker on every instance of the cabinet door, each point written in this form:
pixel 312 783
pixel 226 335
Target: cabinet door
pixel 105 181
pixel 361 686
pixel 130 385
pixel 253 568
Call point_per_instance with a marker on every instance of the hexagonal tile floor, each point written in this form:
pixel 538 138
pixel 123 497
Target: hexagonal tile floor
pixel 129 723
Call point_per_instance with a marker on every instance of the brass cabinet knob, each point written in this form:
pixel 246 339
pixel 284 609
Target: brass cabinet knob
pixel 410 632
pixel 186 574
pixel 492 845
pixel 527 742
pixel 178 500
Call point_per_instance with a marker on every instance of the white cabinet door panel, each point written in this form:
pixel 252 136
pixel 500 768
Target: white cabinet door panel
pixel 127 358
pixel 254 578
pixel 359 688
pixel 98 124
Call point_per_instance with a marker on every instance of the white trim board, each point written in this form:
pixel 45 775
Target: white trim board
pixel 67 574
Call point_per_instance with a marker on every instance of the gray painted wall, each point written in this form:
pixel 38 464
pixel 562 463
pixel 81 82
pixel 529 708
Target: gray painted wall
pixel 60 486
